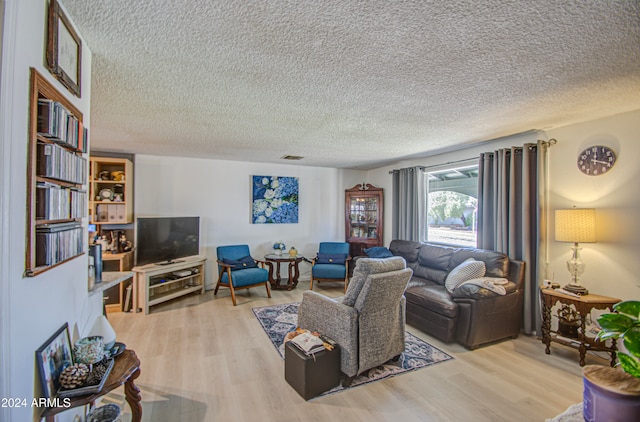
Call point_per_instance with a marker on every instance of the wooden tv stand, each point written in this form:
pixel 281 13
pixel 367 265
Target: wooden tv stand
pixel 158 283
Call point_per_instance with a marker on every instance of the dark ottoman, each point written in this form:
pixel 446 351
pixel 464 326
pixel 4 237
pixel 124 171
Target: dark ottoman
pixel 311 375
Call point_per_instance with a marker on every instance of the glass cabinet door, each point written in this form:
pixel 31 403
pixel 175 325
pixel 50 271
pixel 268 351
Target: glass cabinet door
pixel 363 219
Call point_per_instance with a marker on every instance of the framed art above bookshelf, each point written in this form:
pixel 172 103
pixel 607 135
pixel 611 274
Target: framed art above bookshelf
pixel 64 50
pixel 56 179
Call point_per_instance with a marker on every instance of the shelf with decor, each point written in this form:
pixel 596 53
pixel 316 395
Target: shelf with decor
pixel 56 179
pixel 363 217
pixel 110 190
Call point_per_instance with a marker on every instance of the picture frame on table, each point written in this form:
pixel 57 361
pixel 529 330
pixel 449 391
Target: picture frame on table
pixel 64 49
pixel 51 358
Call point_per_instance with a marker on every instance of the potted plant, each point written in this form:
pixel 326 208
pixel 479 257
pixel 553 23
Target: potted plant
pixel 609 393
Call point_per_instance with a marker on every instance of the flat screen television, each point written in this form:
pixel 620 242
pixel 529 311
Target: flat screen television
pixel 164 240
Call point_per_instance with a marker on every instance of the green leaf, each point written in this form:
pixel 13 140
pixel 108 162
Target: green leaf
pixel 632 341
pixel 603 335
pixel 616 323
pixel 628 307
pixel 630 365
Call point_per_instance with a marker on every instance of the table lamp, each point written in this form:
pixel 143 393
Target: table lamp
pixel 576 225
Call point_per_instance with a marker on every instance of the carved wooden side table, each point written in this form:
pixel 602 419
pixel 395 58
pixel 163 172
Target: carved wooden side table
pixel 583 306
pixel 125 370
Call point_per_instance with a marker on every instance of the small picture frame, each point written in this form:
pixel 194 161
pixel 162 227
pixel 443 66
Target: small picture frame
pixel 64 49
pixel 51 358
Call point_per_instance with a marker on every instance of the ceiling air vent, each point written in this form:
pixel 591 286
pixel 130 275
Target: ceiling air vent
pixel 291 157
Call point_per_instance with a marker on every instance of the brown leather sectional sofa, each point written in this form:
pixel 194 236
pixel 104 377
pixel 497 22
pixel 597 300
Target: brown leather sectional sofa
pixel 471 315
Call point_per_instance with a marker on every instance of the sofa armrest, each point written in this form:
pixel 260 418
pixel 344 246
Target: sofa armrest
pixel 516 273
pixel 488 319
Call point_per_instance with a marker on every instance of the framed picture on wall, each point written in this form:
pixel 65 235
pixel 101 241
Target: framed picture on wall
pixel 51 358
pixel 64 49
pixel 274 200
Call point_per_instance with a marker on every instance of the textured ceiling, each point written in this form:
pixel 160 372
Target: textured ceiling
pixel 350 84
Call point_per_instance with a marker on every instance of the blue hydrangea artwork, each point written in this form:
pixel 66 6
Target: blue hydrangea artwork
pixel 275 200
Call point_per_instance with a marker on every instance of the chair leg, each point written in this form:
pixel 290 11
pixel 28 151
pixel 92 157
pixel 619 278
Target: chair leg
pixel 346 283
pixel 233 293
pixel 268 290
pixel 311 284
pixel 215 292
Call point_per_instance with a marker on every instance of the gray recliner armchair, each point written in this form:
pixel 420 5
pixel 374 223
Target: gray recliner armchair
pixel 368 322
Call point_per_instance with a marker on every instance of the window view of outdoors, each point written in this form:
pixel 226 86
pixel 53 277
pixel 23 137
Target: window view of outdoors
pixel 452 206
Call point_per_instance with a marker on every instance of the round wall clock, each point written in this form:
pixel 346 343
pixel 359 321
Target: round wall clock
pixel 596 160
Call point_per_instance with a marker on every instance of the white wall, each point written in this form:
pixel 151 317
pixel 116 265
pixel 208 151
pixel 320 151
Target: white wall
pixel 612 264
pixel 220 193
pixel 32 308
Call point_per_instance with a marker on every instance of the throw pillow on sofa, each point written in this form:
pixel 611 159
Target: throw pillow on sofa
pixel 378 252
pixel 467 270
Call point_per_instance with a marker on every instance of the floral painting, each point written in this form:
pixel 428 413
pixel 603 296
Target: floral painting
pixel 275 200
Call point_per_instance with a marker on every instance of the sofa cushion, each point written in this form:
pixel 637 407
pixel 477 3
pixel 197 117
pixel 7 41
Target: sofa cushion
pixel 497 264
pixel 467 270
pixel 434 297
pixel 406 249
pixel 434 262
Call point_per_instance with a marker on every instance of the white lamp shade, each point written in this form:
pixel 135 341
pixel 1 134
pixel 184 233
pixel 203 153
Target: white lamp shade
pixel 101 327
pixel 576 225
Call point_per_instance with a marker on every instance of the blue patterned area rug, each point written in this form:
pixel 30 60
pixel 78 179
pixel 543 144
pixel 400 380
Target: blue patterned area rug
pixel 278 320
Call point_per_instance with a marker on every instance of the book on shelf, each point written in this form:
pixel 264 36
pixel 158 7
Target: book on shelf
pixel 58 242
pixel 57 163
pixel 57 124
pixel 55 202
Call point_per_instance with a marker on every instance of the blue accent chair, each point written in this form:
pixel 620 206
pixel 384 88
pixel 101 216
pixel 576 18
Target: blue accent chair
pixel 331 263
pixel 238 271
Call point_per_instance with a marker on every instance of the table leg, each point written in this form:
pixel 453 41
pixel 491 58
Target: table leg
pixel 278 278
pixel 132 395
pixel 134 307
pixel 612 352
pixel 582 348
pixel 546 327
pixel 293 278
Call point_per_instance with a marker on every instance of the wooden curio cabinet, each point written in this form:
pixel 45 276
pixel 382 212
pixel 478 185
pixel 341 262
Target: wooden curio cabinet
pixel 363 219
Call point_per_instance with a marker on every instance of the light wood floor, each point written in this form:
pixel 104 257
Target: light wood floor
pixel 206 360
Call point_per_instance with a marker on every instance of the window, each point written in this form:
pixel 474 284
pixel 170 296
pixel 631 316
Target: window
pixel 452 205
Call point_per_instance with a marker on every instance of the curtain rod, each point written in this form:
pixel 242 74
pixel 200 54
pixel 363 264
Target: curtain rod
pixel 551 142
pixel 438 165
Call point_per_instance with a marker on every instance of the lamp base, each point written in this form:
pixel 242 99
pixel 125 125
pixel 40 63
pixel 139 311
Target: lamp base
pixel 577 289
